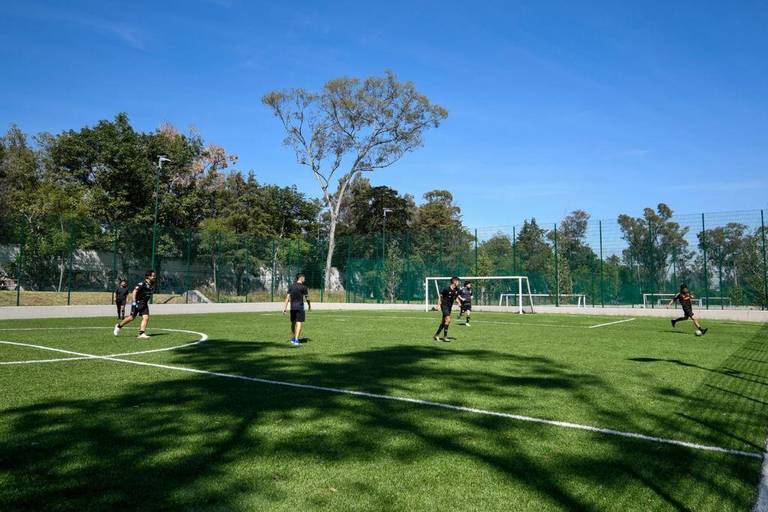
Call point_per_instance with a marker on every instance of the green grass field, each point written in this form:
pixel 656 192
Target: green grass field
pixel 111 435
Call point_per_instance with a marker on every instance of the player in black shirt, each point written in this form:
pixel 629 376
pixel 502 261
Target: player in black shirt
pixel 140 304
pixel 297 294
pixel 121 295
pixel 466 301
pixel 448 296
pixel 684 298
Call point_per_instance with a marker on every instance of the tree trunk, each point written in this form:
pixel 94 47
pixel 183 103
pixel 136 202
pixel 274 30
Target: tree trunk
pixel 331 248
pixel 61 273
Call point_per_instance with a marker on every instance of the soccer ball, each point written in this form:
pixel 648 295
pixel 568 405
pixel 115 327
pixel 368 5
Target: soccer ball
pixel 698 332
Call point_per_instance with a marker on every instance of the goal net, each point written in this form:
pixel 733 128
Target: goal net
pixel 578 300
pixel 485 290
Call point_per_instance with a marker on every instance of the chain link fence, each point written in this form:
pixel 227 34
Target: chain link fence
pixel 629 261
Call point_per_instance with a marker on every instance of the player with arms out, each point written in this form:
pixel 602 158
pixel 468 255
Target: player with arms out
pixel 447 297
pixel 466 301
pixel 684 298
pixel 297 294
pixel 140 304
pixel 121 297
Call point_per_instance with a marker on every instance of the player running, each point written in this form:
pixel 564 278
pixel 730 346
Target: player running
pixel 140 304
pixel 466 301
pixel 684 298
pixel 121 297
pixel 296 296
pixel 448 296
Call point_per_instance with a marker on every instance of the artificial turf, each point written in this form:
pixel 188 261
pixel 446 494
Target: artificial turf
pixel 106 435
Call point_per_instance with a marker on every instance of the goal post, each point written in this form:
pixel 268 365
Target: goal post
pixel 517 286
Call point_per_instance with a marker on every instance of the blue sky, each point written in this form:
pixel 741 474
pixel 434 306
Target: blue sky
pixel 606 106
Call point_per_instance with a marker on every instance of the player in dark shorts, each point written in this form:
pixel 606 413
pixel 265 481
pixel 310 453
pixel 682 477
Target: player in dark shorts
pixel 140 304
pixel 297 294
pixel 448 296
pixel 466 301
pixel 121 296
pixel 684 298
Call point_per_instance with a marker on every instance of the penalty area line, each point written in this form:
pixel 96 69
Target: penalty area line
pixel 203 338
pixel 611 323
pixel 427 403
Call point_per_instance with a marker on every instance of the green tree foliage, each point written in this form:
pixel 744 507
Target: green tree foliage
pixel 654 241
pixel 351 126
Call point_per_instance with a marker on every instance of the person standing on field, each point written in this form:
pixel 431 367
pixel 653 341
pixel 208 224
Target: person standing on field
pixel 142 293
pixel 297 294
pixel 121 297
pixel 447 297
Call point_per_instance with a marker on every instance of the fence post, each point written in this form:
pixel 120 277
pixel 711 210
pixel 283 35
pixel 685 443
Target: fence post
pixel 70 249
pixel 476 267
pixel 651 264
pixel 114 264
pixel 514 251
pixel 704 249
pixel 557 271
pixel 674 266
pixel 189 262
pixel 348 280
pixel 602 278
pixel 245 270
pixel 216 248
pixel 765 262
pixel 20 266
pixel 720 277
pixel 274 258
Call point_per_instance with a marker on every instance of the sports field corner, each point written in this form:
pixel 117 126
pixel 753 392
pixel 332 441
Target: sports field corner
pixel 517 412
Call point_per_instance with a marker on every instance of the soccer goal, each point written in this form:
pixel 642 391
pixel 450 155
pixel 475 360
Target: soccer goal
pixel 651 300
pixel 564 299
pixel 489 285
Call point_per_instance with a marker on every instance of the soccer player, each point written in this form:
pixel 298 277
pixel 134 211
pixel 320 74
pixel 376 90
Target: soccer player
pixel 466 301
pixel 140 304
pixel 297 294
pixel 121 296
pixel 684 298
pixel 445 302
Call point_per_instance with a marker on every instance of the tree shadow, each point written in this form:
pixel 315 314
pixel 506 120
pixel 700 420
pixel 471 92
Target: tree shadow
pixel 201 442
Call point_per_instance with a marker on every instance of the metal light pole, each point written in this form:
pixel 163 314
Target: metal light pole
pixel 160 160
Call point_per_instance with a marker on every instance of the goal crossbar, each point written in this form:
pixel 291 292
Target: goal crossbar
pixel 523 294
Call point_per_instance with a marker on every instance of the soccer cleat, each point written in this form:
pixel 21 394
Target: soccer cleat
pixel 116 330
pixel 295 341
pixel 143 336
pixel 673 322
pixel 704 331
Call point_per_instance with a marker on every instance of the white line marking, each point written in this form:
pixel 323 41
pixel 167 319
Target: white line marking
pixel 610 323
pixel 437 319
pixel 202 335
pixel 377 396
pixel 761 504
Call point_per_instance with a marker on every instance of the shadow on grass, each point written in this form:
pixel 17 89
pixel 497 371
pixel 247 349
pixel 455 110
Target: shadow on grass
pixel 207 443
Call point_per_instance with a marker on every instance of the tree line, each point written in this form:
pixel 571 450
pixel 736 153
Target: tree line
pixel 98 181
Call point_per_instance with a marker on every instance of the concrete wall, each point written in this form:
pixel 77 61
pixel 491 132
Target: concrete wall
pixel 30 312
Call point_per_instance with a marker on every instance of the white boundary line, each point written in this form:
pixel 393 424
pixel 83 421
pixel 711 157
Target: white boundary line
pixel 433 319
pixel 203 338
pixel 761 503
pixel 428 403
pixel 610 323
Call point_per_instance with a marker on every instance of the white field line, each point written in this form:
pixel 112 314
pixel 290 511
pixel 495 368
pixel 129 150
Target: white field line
pixel 202 339
pixel 437 319
pixel 761 504
pixel 428 403
pixel 610 323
